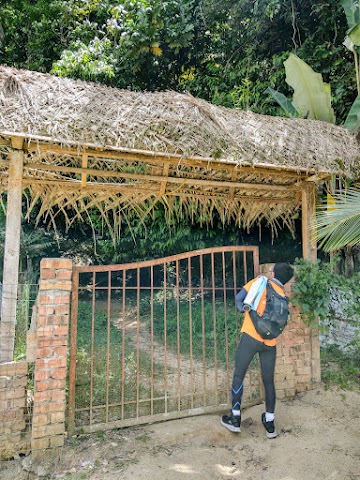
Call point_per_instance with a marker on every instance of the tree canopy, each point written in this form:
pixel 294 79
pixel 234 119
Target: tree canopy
pixel 226 52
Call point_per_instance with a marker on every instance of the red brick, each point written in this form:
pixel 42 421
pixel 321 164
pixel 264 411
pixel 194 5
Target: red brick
pixel 63 299
pixel 49 408
pixel 52 342
pixel 11 415
pixel 39 420
pixel 57 320
pixel 48 430
pixel 42 396
pixel 63 274
pixel 50 384
pixel 57 441
pixel 60 351
pixel 62 309
pixel 59 373
pixel 46 310
pixel 58 285
pixel 45 298
pixel 40 443
pixel 58 417
pixel 44 352
pixel 47 396
pixel 13 368
pixel 47 273
pixel 63 263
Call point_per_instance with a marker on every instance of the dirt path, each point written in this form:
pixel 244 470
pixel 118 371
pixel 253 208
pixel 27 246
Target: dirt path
pixel 319 440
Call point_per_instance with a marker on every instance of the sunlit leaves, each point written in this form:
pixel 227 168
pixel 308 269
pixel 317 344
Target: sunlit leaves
pixel 340 226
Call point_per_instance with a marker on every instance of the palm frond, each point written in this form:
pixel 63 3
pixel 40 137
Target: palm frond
pixel 340 225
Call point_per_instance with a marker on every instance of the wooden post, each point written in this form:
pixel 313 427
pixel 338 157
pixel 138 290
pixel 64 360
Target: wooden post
pixel 308 221
pixel 11 252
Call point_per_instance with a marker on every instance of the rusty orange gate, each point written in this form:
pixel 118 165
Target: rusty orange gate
pixel 156 340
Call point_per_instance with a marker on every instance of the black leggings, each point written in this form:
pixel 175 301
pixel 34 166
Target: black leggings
pixel 246 350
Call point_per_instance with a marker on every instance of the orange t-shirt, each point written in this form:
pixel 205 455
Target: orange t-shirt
pixel 248 326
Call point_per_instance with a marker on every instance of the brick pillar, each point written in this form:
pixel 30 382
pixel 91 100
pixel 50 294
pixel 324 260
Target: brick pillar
pixel 298 351
pixel 13 380
pixel 53 310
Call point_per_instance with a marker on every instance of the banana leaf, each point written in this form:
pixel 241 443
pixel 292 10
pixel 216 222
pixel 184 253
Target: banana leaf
pixel 354 35
pixel 352 122
pixel 284 102
pixel 352 12
pixel 312 97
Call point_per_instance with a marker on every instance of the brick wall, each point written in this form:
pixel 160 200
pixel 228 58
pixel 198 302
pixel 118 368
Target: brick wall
pixel 13 436
pixel 52 320
pixel 298 352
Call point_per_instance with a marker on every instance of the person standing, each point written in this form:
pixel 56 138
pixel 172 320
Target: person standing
pixel 250 344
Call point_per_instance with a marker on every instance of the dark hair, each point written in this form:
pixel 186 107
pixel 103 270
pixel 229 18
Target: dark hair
pixel 283 272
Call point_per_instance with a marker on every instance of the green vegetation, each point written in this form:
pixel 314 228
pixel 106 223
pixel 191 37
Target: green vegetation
pixel 226 52
pixel 208 326
pixel 315 284
pixel 340 369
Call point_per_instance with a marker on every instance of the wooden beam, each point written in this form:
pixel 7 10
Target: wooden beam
pixel 160 178
pixel 11 256
pixel 53 145
pixel 128 188
pixel 163 185
pixel 84 164
pixel 308 221
pixel 177 160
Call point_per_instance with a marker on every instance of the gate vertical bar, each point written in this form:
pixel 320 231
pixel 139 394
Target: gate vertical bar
pixel 256 262
pixel 201 260
pixel 92 348
pixel 214 323
pixel 225 319
pixel 108 346
pixel 165 343
pixel 190 335
pixel 137 341
pixel 123 346
pixel 235 292
pixel 178 333
pixel 245 268
pixel 72 362
pixel 152 339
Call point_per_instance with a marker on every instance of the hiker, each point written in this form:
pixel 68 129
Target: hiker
pixel 250 344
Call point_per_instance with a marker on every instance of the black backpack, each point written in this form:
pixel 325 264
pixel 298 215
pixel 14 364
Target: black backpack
pixel 275 316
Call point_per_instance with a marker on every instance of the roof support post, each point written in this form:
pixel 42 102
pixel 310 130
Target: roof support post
pixel 11 252
pixel 309 246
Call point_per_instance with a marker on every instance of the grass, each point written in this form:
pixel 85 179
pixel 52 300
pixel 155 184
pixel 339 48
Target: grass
pixel 204 329
pixel 340 369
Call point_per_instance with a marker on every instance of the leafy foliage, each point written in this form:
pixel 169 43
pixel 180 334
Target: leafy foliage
pixel 339 226
pixel 312 288
pixel 226 52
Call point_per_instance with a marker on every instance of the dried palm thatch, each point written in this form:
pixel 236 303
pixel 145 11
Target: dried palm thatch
pixel 91 146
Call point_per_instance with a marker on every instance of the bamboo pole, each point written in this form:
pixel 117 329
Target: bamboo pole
pixel 11 253
pixel 308 221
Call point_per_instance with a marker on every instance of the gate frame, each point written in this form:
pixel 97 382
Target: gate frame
pixel 128 266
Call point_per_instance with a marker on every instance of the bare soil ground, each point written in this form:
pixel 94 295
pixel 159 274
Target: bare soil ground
pixel 319 440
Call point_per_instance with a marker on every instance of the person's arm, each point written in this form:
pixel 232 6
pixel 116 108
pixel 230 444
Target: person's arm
pixel 240 297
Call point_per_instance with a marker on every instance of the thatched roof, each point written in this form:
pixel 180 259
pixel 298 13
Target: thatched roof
pixel 116 149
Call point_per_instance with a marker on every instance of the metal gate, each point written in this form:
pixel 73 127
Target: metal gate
pixel 156 340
